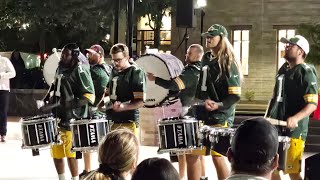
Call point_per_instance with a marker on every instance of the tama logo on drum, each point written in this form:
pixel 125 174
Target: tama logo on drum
pixel 92 131
pixel 180 138
pixel 40 131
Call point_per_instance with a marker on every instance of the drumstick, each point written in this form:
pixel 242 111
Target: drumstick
pixel 273 121
pixel 276 121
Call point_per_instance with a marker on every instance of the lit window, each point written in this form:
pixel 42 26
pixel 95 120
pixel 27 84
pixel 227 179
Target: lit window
pixel 240 39
pixel 287 33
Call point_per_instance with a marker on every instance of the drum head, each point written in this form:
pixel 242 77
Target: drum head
pixel 165 66
pixel 50 67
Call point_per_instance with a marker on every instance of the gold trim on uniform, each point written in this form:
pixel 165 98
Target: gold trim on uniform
pixel 90 97
pixel 234 90
pixel 180 83
pixel 311 98
pixel 139 95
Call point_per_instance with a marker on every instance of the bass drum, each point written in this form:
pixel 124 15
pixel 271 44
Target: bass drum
pixel 50 66
pixel 165 66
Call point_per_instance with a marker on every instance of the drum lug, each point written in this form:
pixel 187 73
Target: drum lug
pixel 35 152
pixel 78 154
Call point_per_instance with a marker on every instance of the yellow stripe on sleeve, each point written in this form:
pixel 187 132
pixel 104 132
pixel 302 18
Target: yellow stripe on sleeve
pixel 311 98
pixel 139 95
pixel 180 83
pixel 234 90
pixel 90 97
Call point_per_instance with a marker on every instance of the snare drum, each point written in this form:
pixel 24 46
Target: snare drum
pixel 178 135
pixel 38 131
pixel 220 139
pixel 284 144
pixel 87 133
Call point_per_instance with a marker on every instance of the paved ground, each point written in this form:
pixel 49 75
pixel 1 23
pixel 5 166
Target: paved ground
pixel 19 164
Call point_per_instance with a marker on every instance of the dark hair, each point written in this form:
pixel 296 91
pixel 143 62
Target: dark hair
pixel 254 146
pixel 155 169
pixel 74 48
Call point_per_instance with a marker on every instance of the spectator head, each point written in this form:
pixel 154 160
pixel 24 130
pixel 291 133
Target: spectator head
pixel 254 148
pixel 118 154
pixel 155 169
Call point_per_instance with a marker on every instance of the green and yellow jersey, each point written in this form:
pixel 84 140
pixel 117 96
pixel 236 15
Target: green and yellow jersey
pixel 186 83
pixel 224 88
pixel 300 87
pixel 125 86
pixel 70 86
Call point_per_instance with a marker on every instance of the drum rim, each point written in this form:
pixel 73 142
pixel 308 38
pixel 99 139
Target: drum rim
pixel 85 148
pixel 177 118
pixel 35 121
pixel 87 121
pixel 177 121
pixel 36 146
pixel 284 139
pixel 160 151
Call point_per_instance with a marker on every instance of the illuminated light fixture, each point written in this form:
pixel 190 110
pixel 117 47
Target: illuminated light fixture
pixel 201 4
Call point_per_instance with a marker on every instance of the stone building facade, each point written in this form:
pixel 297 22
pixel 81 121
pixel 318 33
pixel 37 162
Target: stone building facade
pixel 263 18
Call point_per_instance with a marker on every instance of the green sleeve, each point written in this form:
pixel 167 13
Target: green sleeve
pixel 234 88
pixel 139 84
pixel 310 85
pixel 101 85
pixel 85 84
pixel 188 78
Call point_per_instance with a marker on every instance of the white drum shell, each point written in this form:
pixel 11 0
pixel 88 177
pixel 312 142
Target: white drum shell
pixel 50 67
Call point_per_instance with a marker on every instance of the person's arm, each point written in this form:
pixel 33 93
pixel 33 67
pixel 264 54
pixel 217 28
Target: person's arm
pixel 134 104
pixel 10 72
pixel 100 87
pixel 185 80
pixel 292 122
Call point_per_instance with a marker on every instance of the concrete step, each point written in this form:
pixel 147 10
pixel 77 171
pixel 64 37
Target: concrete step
pixel 312 148
pixel 314 130
pixel 313 139
pixel 314 123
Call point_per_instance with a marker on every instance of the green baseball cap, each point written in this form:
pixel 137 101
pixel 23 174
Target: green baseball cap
pixel 216 30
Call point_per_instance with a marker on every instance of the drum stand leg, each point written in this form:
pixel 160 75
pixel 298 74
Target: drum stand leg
pixel 173 157
pixel 35 152
pixel 78 155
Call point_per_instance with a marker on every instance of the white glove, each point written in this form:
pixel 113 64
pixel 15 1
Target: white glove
pixel 40 103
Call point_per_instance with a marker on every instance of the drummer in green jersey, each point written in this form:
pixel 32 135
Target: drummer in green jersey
pixel 186 83
pixel 73 91
pixel 100 72
pixel 127 87
pixel 218 91
pixel 298 98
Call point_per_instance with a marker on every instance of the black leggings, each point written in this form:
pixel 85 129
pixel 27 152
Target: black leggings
pixel 4 106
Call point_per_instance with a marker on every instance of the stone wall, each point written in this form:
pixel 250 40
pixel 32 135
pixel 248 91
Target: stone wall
pixel 262 16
